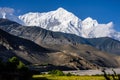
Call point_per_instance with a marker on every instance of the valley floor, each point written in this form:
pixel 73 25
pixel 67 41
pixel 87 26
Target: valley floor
pixel 78 75
pixel 51 77
pixel 92 72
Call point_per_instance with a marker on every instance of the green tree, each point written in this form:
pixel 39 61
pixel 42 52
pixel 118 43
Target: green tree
pixel 15 63
pixel 12 63
pixel 13 67
pixel 21 65
pixel 14 60
pixel 56 72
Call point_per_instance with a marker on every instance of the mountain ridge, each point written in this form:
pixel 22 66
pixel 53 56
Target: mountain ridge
pixel 14 46
pixel 67 49
pixel 40 35
pixel 69 23
pixel 61 20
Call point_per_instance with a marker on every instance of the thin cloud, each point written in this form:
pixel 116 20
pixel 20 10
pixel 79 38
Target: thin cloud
pixel 7 10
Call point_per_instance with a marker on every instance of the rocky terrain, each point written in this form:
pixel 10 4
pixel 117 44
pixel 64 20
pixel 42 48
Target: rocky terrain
pixel 31 53
pixel 57 48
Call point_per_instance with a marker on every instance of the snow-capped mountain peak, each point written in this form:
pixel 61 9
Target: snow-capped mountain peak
pixel 61 10
pixel 61 20
pixel 89 23
pixel 88 19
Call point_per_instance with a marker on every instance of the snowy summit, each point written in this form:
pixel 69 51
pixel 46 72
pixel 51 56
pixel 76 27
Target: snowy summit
pixel 62 20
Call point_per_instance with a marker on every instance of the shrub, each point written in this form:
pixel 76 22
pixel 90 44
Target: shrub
pixel 69 74
pixel 21 65
pixel 15 63
pixel 56 72
pixel 14 69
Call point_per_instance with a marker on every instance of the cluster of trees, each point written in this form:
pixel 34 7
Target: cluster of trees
pixel 13 64
pixel 59 73
pixel 14 69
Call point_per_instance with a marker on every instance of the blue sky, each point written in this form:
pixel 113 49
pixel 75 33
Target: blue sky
pixel 102 10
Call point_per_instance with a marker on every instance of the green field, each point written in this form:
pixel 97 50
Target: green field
pixel 53 77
